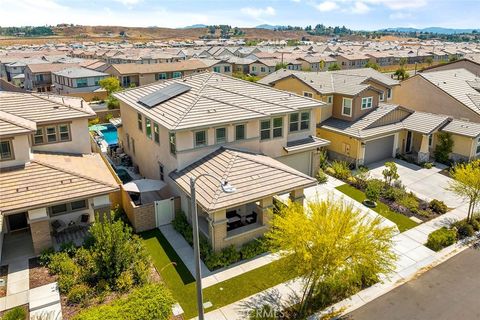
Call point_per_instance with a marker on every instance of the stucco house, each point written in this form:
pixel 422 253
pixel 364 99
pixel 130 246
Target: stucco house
pixel 49 178
pixel 261 139
pixel 76 79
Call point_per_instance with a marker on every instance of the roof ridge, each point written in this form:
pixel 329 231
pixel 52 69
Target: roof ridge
pixel 15 122
pixel 40 162
pixel 56 102
pixel 216 196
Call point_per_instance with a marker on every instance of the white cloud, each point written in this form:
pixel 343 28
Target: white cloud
pixel 400 16
pixel 399 4
pixel 128 2
pixel 327 6
pixel 297 1
pixel 258 12
pixel 360 8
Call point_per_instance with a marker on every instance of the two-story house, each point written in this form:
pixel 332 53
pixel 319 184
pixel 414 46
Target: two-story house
pixel 77 79
pixel 261 140
pixel 38 76
pixel 49 179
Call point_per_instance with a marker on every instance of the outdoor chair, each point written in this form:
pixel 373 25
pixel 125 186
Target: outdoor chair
pixel 58 226
pixel 83 221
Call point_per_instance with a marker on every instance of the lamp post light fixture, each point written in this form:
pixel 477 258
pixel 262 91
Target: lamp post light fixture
pixel 227 188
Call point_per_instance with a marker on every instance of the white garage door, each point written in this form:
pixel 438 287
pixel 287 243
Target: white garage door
pixel 299 161
pixel 378 149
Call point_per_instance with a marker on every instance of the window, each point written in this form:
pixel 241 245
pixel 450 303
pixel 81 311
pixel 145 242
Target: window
pixel 58 209
pixel 161 171
pixel 221 135
pixel 77 205
pixel 156 132
pixel 240 132
pixel 200 138
pixel 347 107
pixel 389 93
pixel 294 122
pixel 139 121
pixel 367 103
pixel 172 141
pixel 307 94
pixel 382 96
pixel 430 140
pixel 254 68
pixel 64 132
pixel 262 69
pixel 82 82
pixel 329 99
pixel 6 152
pixel 161 76
pixel 96 80
pixel 148 128
pixel 265 129
pixel 38 136
pixel 51 134
pixel 304 120
pixel 177 74
pixel 216 69
pixel 277 127
pixel 226 68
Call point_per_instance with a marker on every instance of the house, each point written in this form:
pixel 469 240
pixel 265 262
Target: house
pixel 77 79
pixel 50 179
pixel 139 75
pixel 261 139
pixel 352 61
pixel 38 76
pixel 219 66
pixel 454 92
pixel 467 64
pixel 262 67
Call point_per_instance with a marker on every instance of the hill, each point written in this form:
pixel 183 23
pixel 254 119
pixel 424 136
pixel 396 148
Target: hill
pixel 437 30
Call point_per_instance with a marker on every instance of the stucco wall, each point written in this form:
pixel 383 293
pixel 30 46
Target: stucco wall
pixel 357 112
pixel 338 142
pixel 21 150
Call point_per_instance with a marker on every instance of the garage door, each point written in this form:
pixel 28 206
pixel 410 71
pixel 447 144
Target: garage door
pixel 299 161
pixel 378 149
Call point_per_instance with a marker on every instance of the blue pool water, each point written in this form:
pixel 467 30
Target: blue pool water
pixel 110 134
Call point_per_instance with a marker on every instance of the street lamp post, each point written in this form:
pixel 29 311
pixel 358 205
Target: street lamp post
pixel 227 188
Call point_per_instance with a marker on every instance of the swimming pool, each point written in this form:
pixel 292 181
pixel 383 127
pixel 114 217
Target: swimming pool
pixel 108 132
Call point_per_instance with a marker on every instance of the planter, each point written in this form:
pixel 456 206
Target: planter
pixel 369 203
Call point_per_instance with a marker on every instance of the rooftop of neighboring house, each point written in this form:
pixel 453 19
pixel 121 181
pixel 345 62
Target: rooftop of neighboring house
pixel 461 84
pixel 211 98
pixel 49 67
pixel 131 68
pixel 22 109
pixel 79 72
pixel 348 82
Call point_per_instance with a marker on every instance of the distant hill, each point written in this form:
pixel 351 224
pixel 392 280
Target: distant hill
pixel 195 26
pixel 438 30
pixel 269 27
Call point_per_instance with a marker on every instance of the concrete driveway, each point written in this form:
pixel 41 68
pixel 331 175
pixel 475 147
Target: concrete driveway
pixel 427 184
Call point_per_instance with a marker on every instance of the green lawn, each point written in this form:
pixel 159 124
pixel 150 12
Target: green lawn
pixel 403 222
pixel 182 284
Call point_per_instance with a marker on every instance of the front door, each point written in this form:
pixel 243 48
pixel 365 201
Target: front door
pixel 408 146
pixel 17 221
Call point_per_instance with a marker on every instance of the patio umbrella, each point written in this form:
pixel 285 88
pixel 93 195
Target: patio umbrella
pixel 144 185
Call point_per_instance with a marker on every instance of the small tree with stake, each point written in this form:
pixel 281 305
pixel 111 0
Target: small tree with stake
pixel 466 184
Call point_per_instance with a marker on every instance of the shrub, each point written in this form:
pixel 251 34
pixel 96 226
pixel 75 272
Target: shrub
pixel 443 148
pixel 393 193
pixel 464 229
pixel 352 180
pixel 124 282
pixel 181 225
pixel 61 263
pixel 410 202
pixel 374 187
pixel 438 206
pixel 45 256
pixel 321 176
pixel 341 169
pixel 17 313
pixel 66 282
pixel 69 248
pixel 441 238
pixel 362 177
pixel 390 173
pixel 78 294
pixel 330 171
pixel 253 248
pixel 230 255
pixel 112 103
pixel 151 302
pixel 323 159
pixel 427 165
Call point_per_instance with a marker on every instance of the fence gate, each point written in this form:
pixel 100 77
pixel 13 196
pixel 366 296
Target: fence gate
pixel 164 211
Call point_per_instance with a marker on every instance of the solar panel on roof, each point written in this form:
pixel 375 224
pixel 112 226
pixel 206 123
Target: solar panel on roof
pixel 163 94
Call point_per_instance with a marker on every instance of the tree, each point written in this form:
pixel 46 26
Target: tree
pixel 402 62
pixel 334 67
pixel 280 65
pixel 390 173
pixel 443 148
pixel 335 249
pixel 429 61
pixel 110 84
pixel 466 184
pixel 372 65
pixel 373 190
pixel 401 73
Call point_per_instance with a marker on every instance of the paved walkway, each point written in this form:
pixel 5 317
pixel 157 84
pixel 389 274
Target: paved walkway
pixel 45 302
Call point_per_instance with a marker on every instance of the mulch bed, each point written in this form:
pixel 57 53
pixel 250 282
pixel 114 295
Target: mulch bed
pixel 3 275
pixel 39 275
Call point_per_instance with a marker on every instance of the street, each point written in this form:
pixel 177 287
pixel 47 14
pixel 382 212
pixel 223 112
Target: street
pixel 448 291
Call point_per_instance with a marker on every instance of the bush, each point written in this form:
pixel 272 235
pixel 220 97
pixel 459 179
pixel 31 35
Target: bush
pixel 321 176
pixel 438 206
pixel 78 294
pixel 441 238
pixel 341 169
pixel 17 313
pixel 61 263
pixel 464 229
pixel 410 202
pixel 45 256
pixel 393 193
pixel 323 159
pixel 427 165
pixel 124 282
pixel 373 190
pixel 69 248
pixel 330 171
pixel 443 148
pixel 230 255
pixel 66 282
pixel 113 103
pixel 151 302
pixel 253 248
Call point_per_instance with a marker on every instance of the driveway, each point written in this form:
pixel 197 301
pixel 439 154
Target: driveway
pixel 448 291
pixel 427 184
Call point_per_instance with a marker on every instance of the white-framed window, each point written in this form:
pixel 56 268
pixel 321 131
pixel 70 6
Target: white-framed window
pixel 161 76
pixel 148 128
pixel 389 93
pixel 330 99
pixel 177 74
pixel 478 146
pixel 216 69
pixel 367 103
pixel 240 132
pixel 221 135
pixel 299 121
pixel 307 94
pixel 139 121
pixel 51 132
pixel 227 69
pixel 265 126
pixel 277 127
pixel 63 208
pixel 172 140
pixel 293 122
pixel 38 137
pixel 304 120
pixel 200 138
pixel 347 107
pixel 382 96
pixel 156 133
pixel 6 150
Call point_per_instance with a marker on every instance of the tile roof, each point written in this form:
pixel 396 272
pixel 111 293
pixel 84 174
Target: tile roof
pixel 43 107
pixel 310 142
pixel 464 128
pixel 49 67
pixel 79 72
pixel 10 124
pixel 134 68
pixel 54 178
pixel 424 122
pixel 254 176
pixel 215 99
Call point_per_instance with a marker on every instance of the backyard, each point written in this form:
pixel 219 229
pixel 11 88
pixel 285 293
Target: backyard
pixel 182 284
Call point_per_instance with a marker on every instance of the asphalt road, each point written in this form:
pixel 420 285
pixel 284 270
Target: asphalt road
pixel 449 291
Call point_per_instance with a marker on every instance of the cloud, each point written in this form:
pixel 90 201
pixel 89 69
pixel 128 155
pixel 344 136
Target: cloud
pixel 297 1
pixel 327 6
pixel 258 12
pixel 360 8
pixel 400 15
pixel 128 2
pixel 399 4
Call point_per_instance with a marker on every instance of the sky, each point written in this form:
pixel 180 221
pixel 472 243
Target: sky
pixel 354 14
